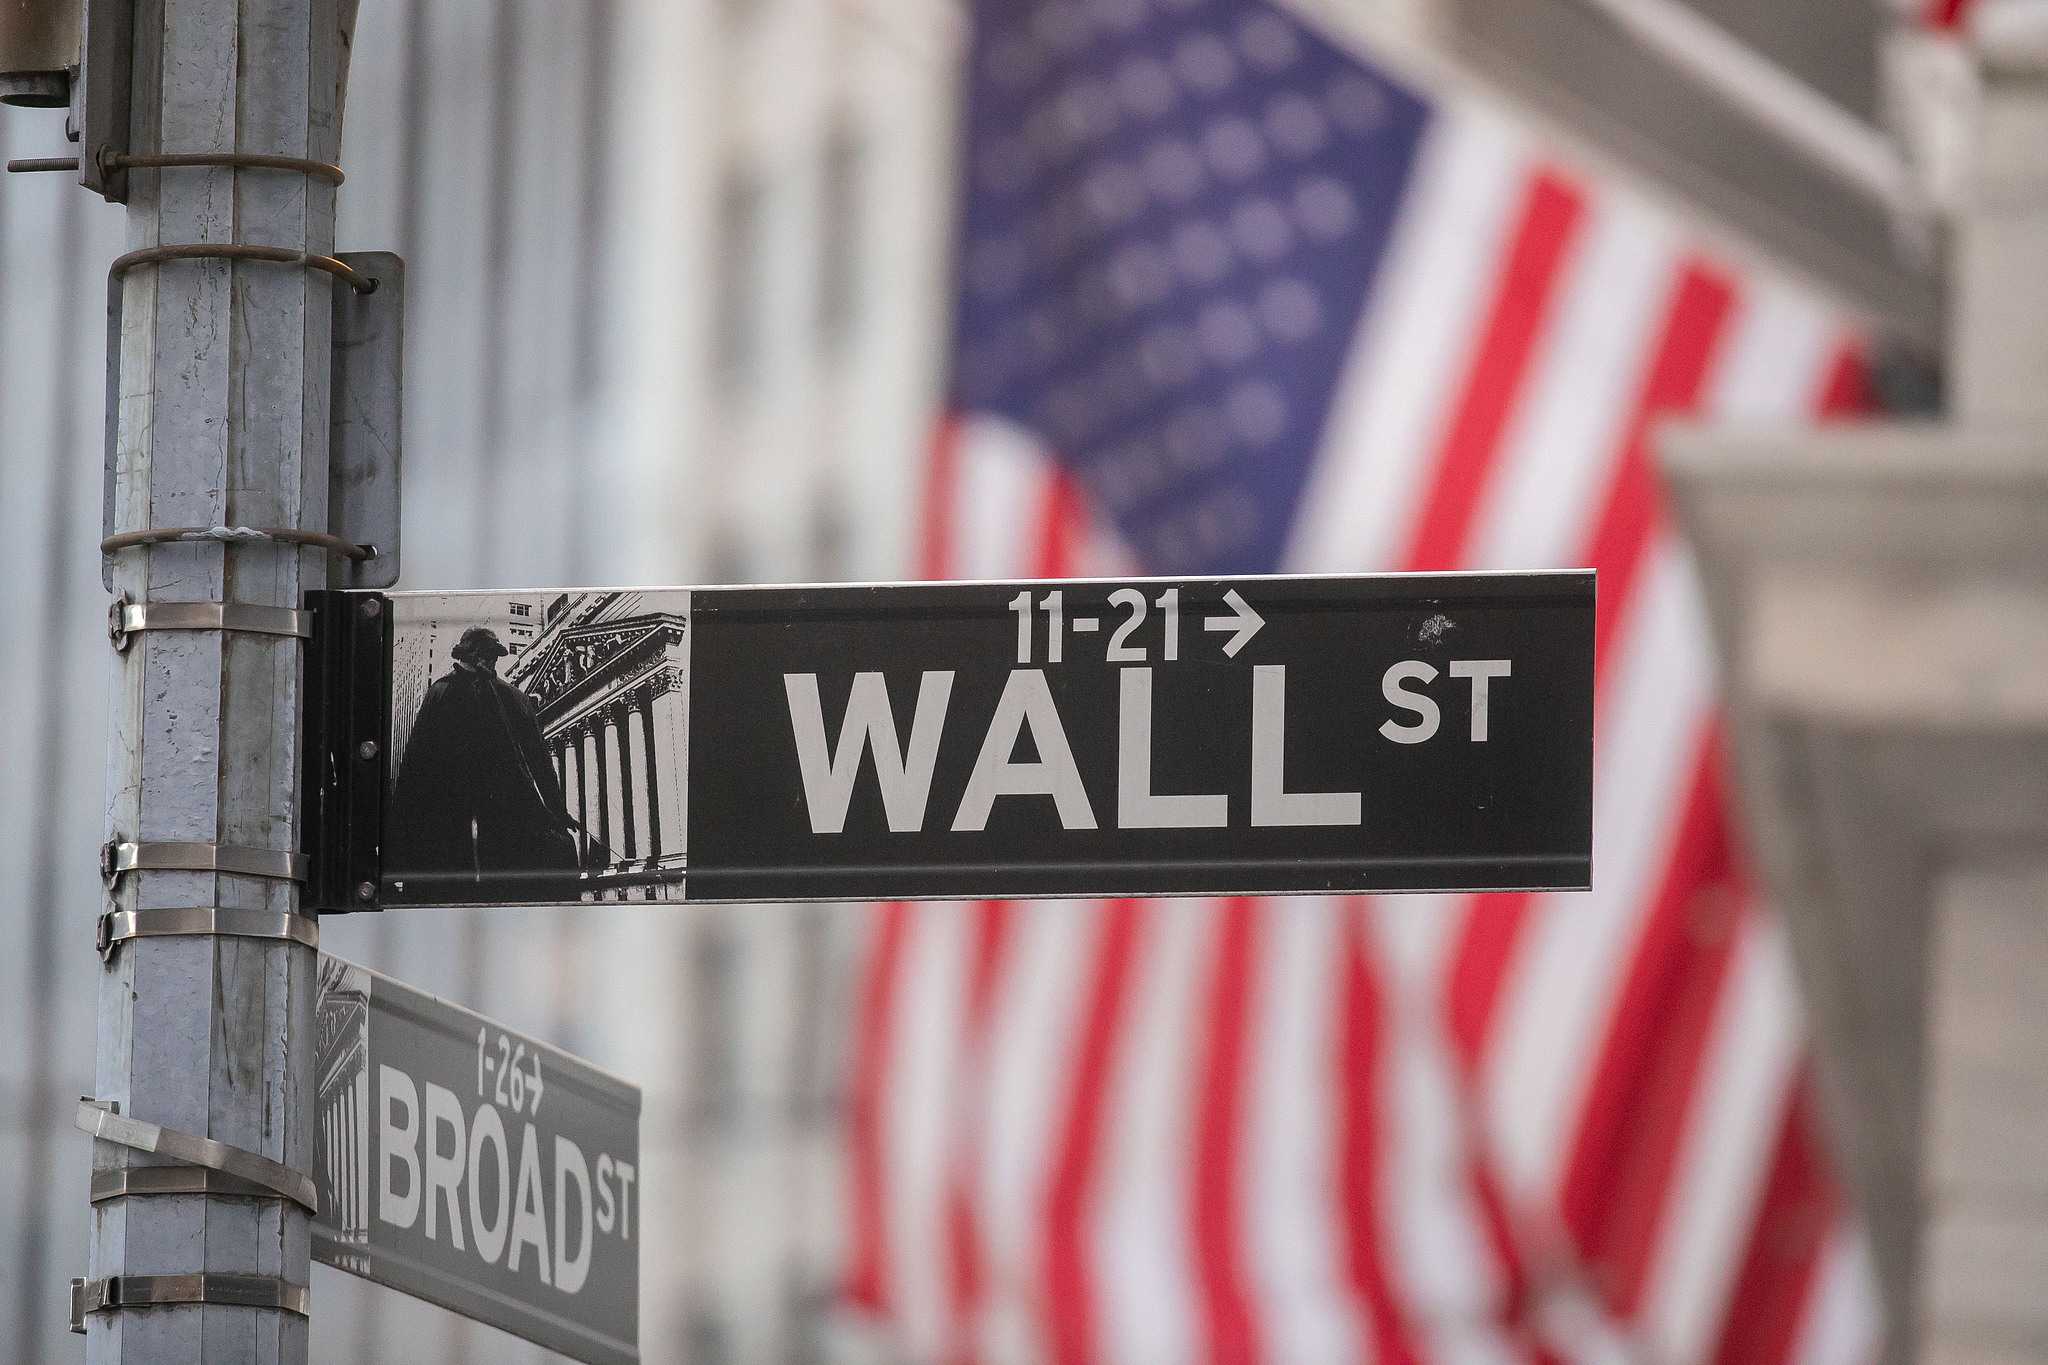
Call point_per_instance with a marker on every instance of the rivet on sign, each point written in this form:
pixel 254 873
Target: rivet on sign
pixel 371 608
pixel 367 891
pixel 367 750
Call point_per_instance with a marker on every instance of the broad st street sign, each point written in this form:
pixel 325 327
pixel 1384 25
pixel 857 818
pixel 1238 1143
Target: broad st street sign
pixel 476 1168
pixel 1073 738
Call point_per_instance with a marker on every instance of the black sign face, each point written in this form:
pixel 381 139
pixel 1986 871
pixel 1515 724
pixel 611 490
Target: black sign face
pixel 1142 738
pixel 1076 738
pixel 476 1168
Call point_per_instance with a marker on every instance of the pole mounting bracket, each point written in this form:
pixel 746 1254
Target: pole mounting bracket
pixel 347 750
pixel 276 1178
pixel 147 1180
pixel 116 1292
pixel 126 618
pixel 118 856
pixel 116 926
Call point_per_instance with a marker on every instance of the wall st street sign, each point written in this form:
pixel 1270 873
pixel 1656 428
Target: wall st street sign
pixel 1074 738
pixel 476 1168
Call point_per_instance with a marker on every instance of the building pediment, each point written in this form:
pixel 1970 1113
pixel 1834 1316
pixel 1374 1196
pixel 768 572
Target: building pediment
pixel 580 659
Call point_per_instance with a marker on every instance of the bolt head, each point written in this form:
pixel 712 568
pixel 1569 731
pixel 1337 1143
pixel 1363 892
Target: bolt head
pixel 371 609
pixel 367 750
pixel 367 891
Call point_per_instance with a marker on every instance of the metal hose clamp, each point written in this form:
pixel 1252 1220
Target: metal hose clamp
pixel 111 161
pixel 274 1176
pixel 118 926
pixel 126 618
pixel 116 1292
pixel 118 856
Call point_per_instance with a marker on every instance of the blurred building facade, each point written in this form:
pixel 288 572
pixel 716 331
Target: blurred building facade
pixel 678 280
pixel 675 275
pixel 1879 598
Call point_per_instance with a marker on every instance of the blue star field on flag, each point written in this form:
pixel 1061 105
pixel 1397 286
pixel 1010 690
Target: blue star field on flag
pixel 1174 213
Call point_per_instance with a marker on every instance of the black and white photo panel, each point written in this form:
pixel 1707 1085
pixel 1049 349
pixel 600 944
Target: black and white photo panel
pixel 539 748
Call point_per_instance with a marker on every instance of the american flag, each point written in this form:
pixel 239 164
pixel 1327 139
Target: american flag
pixel 1233 300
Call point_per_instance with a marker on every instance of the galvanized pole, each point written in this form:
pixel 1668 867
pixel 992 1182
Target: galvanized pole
pixel 223 421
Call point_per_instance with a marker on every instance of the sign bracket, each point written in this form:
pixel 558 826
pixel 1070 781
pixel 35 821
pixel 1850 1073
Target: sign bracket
pixel 347 749
pixel 365 420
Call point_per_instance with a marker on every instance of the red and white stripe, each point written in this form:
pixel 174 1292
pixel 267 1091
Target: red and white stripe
pixel 1446 1129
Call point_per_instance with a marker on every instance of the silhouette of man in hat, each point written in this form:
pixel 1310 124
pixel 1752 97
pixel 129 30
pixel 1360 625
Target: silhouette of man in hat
pixel 477 813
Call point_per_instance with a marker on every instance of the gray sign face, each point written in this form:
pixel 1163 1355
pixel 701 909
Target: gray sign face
pixel 476 1168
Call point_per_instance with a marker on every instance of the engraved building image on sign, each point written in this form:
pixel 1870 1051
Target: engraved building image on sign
pixel 539 746
pixel 341 1054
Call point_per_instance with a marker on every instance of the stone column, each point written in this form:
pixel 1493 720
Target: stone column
pixel 617 756
pixel 600 794
pixel 671 727
pixel 1998 324
pixel 1984 1293
pixel 1880 599
pixel 566 765
pixel 643 723
pixel 640 799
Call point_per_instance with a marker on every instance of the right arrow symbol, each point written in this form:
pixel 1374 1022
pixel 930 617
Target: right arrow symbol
pixel 1246 623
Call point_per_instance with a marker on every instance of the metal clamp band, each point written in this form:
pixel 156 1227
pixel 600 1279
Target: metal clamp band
pixel 273 1176
pixel 118 925
pixel 146 1180
pixel 125 618
pixel 229 535
pixel 117 857
pixel 151 1291
pixel 235 251
pixel 111 161
pixel 246 161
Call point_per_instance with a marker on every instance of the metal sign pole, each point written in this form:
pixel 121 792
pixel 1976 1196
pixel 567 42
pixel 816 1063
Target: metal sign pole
pixel 207 996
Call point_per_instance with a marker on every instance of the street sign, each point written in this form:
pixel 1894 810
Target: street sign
pixel 476 1168
pixel 1073 738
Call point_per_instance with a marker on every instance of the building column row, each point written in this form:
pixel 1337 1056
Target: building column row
pixel 620 769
